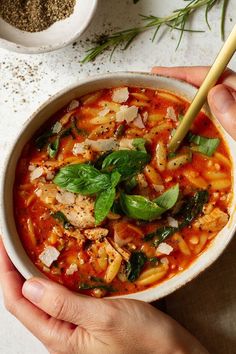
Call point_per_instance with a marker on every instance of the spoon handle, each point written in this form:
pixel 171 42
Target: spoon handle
pixel 211 79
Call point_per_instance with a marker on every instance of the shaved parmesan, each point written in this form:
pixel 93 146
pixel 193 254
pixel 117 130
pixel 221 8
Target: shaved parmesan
pixel 127 113
pixel 120 95
pixel 102 144
pixel 138 122
pixel 56 128
pixel 73 105
pixel 170 114
pixel 36 173
pixel 79 148
pixel 172 222
pixel 49 255
pixel 164 248
pixel 72 269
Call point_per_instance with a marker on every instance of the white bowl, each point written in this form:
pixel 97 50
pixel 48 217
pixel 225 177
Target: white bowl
pixel 59 35
pixel 10 237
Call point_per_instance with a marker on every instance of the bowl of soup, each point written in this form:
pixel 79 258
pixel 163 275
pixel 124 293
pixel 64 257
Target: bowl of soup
pixel 93 199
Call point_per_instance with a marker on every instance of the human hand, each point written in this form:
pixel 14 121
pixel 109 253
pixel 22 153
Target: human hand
pixel 68 323
pixel 221 98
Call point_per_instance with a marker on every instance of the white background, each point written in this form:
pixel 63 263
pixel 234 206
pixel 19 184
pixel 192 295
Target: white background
pixel 26 81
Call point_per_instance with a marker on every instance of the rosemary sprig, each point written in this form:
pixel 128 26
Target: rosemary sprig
pixel 175 21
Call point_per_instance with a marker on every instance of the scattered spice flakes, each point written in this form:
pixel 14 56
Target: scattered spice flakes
pixel 35 15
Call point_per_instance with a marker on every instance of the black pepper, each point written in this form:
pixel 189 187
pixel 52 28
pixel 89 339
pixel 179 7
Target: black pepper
pixel 35 15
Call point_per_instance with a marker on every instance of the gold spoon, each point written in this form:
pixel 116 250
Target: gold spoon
pixel 211 79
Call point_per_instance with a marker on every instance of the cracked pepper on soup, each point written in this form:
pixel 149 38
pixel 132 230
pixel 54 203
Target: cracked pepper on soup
pixel 102 207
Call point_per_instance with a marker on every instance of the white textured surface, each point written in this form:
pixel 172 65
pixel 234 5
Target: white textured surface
pixel 27 81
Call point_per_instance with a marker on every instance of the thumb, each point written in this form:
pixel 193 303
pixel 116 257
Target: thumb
pixel 222 101
pixel 61 303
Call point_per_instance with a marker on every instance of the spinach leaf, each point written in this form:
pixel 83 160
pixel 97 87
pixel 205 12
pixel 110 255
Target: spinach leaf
pixel 62 219
pixel 139 207
pixel 120 131
pixel 139 144
pixel 162 233
pixel 82 178
pixel 168 199
pixel 206 146
pixel 193 207
pixel 42 140
pixel 127 162
pixel 190 210
pixel 79 131
pixel 85 286
pixel 135 265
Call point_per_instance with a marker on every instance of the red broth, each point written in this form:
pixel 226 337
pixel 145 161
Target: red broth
pixel 99 250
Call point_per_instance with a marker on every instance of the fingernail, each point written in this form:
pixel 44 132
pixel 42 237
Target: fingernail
pixel 33 290
pixel 222 100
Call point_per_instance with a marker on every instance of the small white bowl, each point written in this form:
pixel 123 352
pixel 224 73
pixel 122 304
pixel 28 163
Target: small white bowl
pixel 59 35
pixel 10 236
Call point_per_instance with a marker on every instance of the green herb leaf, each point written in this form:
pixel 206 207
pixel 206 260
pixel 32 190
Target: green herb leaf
pixel 120 131
pixel 127 162
pixel 81 132
pixel 82 178
pixel 130 184
pixel 85 286
pixel 206 146
pixel 106 199
pixel 53 147
pixel 191 209
pixel 139 144
pixel 139 207
pixel 168 199
pixel 135 265
pixel 42 140
pixel 62 219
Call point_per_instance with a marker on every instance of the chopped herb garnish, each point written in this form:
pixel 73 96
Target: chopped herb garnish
pixel 85 286
pixel 206 146
pixel 62 219
pixel 135 265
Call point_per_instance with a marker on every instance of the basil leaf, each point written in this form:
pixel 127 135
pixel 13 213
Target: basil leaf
pixel 62 219
pixel 53 147
pixel 206 146
pixel 106 199
pixel 139 207
pixel 103 204
pixel 130 184
pixel 135 265
pixel 139 144
pixel 127 162
pixel 99 161
pixel 82 178
pixel 169 198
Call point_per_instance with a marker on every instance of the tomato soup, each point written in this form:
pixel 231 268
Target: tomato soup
pixel 102 207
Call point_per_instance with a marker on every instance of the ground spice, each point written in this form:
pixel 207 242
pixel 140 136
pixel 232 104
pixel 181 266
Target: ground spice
pixel 35 15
